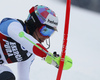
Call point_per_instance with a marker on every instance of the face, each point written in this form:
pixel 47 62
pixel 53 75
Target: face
pixel 37 35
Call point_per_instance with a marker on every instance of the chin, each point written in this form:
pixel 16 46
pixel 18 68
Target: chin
pixel 41 40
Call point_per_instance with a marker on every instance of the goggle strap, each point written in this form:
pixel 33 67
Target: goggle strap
pixel 35 19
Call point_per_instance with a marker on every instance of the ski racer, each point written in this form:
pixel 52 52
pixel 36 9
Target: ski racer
pixel 21 41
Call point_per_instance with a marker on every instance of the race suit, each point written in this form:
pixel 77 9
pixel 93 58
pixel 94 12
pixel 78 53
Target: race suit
pixel 16 49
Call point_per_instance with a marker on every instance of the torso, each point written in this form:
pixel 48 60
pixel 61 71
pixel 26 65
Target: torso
pixel 12 51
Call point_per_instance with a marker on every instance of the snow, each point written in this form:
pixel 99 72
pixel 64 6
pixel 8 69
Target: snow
pixel 83 40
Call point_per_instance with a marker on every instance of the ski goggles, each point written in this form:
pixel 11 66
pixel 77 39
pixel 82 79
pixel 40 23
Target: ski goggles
pixel 46 30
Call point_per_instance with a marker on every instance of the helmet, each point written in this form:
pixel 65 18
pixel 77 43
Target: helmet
pixel 40 15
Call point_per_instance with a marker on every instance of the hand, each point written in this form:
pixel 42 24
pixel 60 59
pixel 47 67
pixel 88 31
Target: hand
pixel 56 61
pixel 55 54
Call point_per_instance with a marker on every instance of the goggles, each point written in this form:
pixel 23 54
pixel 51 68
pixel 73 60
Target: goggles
pixel 46 31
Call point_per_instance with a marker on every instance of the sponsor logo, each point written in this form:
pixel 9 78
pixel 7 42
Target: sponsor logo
pixel 52 22
pixel 12 50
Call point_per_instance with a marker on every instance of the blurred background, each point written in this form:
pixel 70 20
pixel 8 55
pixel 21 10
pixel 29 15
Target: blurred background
pixel 83 37
pixel 93 5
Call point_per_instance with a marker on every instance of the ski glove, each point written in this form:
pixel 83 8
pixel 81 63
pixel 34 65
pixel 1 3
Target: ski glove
pixel 54 59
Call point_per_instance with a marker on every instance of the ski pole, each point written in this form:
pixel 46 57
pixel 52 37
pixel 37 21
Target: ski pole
pixel 21 34
pixel 68 3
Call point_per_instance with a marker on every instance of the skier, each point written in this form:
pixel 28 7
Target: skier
pixel 21 41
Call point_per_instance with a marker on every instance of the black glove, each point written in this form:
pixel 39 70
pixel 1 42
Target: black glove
pixel 55 54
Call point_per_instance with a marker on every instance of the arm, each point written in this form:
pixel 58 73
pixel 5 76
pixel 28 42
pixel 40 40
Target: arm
pixel 14 29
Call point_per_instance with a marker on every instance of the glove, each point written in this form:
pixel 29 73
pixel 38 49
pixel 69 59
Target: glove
pixel 54 59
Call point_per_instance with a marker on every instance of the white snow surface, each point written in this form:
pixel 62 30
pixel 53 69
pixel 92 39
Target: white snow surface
pixel 83 40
